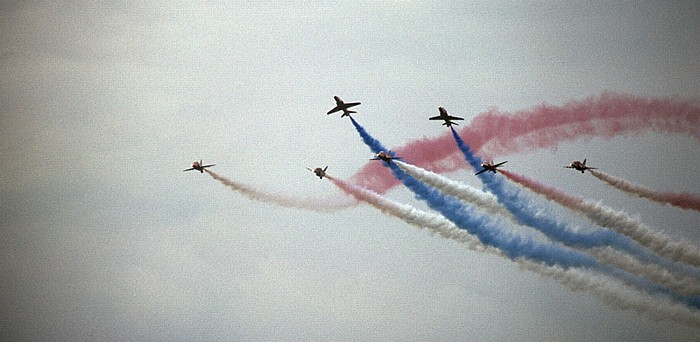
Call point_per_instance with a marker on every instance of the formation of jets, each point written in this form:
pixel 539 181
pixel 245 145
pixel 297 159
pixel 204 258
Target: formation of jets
pixel 340 105
pixel 197 165
pixel 489 166
pixel 579 166
pixel 385 156
pixel 320 172
pixel 388 156
pixel 446 117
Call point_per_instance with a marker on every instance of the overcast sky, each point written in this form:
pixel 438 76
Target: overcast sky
pixel 102 236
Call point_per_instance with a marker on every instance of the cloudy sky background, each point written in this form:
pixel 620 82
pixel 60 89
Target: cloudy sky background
pixel 102 236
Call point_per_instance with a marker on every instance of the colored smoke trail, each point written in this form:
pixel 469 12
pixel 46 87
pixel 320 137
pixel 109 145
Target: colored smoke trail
pixel 513 246
pixel 435 223
pixel 495 133
pixel 682 200
pixel 466 193
pixel 314 204
pixel 526 213
pixel 616 295
pixel 657 274
pixel 616 220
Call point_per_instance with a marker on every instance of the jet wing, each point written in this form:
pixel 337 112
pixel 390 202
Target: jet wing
pixel 501 163
pixel 208 165
pixel 436 118
pixel 337 108
pixel 450 117
pixel 351 104
pixel 480 172
pixel 190 169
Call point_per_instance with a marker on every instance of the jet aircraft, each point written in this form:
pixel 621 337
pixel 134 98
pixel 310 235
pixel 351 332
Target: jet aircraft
pixel 340 105
pixel 197 165
pixel 385 156
pixel 319 171
pixel 489 166
pixel 579 166
pixel 444 116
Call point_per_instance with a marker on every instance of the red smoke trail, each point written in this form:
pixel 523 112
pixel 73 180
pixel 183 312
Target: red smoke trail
pixel 682 200
pixel 615 220
pixel 493 132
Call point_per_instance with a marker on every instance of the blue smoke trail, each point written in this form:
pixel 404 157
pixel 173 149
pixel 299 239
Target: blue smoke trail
pixel 513 246
pixel 521 207
pixel 373 144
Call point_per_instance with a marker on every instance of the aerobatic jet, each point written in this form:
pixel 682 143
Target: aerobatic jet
pixel 489 166
pixel 446 117
pixel 340 105
pixel 579 166
pixel 385 156
pixel 197 165
pixel 319 171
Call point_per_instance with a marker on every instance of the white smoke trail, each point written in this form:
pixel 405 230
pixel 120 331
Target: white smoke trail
pixel 314 204
pixel 483 200
pixel 681 284
pixel 436 224
pixel 681 200
pixel 616 220
pixel 616 294
pixel 606 289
